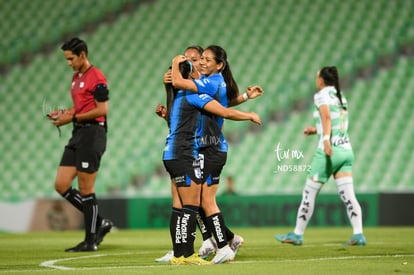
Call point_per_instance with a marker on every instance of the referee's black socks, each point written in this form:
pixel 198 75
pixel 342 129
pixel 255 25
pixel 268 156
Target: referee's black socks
pixel 90 213
pixel 74 197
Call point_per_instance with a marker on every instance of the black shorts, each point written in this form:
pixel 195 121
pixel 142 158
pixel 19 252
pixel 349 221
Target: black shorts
pixel 213 162
pixel 183 171
pixel 85 148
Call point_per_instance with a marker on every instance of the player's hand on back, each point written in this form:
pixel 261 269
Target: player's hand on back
pixel 161 111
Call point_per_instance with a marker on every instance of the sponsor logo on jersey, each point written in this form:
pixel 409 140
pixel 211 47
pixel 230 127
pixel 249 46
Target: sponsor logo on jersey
pixel 338 141
pixel 179 179
pixel 216 178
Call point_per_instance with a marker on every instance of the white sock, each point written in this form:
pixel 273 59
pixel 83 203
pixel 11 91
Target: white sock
pixel 307 204
pixel 346 192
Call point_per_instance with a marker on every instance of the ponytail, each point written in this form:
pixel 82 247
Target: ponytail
pixel 231 85
pixel 331 78
pixel 221 57
pixel 186 67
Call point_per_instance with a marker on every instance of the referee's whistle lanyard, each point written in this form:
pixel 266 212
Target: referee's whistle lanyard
pixel 59 131
pixel 58 128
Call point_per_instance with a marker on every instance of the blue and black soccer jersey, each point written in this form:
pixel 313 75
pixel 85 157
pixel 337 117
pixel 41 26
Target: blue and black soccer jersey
pixel 209 130
pixel 184 118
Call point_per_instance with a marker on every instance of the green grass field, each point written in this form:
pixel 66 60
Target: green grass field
pixel 388 250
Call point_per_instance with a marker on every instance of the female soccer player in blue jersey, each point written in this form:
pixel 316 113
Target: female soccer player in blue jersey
pixel 194 53
pixel 217 81
pixel 182 162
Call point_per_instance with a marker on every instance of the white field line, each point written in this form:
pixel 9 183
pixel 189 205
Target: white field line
pixel 329 259
pixel 52 264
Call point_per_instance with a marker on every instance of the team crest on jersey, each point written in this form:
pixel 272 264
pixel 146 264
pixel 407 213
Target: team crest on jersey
pixel 82 84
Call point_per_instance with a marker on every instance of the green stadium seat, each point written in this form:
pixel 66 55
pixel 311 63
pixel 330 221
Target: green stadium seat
pixel 281 50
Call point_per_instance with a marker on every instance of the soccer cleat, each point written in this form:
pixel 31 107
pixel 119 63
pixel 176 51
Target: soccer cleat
pixel 236 243
pixel 290 238
pixel 207 248
pixel 357 239
pixel 195 260
pixel 166 258
pixel 223 255
pixel 103 229
pixel 177 261
pixel 83 247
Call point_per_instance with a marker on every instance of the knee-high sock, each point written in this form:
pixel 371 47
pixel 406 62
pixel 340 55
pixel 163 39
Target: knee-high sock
pixel 73 196
pixel 307 205
pixel 90 213
pixel 346 192
pixel 229 233
pixel 188 229
pixel 217 226
pixel 205 230
pixel 175 231
pixel 202 224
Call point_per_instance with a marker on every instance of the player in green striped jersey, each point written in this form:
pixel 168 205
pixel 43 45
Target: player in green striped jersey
pixel 333 156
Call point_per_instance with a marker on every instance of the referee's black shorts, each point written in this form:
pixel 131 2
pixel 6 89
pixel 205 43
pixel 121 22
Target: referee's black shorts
pixel 85 148
pixel 214 162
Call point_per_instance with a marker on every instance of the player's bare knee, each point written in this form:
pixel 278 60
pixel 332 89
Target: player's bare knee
pixel 61 186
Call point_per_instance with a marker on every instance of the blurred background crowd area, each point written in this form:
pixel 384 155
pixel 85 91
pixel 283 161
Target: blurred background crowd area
pixel 278 44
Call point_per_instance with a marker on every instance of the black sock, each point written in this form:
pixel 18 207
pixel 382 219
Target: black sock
pixel 90 213
pixel 73 196
pixel 229 233
pixel 217 226
pixel 188 229
pixel 202 224
pixel 175 231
